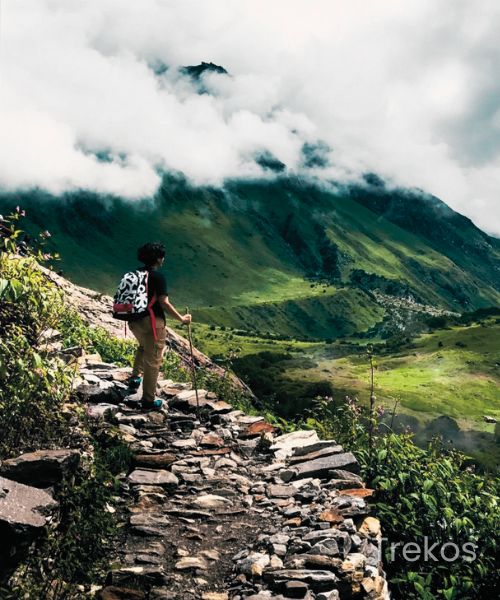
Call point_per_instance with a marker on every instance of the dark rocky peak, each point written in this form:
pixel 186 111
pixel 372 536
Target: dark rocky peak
pixel 269 162
pixel 196 71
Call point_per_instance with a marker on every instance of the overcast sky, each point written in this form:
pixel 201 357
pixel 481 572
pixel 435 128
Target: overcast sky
pixel 407 89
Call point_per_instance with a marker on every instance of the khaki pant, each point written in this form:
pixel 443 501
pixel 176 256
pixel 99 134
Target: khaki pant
pixel 149 355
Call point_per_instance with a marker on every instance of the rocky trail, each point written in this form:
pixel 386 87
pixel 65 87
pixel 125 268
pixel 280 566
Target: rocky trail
pixel 223 508
pixel 217 504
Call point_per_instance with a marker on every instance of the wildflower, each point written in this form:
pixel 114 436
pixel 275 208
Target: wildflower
pixel 46 234
pixel 46 256
pixel 352 404
pixel 20 211
pixel 380 411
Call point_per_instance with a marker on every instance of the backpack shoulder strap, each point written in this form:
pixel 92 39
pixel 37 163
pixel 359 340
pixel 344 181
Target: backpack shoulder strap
pixel 150 308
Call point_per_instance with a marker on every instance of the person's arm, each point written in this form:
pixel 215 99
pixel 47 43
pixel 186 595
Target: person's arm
pixel 172 311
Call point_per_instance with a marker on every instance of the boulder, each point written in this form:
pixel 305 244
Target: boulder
pixel 329 542
pixel 42 468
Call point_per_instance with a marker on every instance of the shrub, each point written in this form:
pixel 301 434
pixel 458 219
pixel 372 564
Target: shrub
pixel 420 493
pixel 95 339
pixel 33 385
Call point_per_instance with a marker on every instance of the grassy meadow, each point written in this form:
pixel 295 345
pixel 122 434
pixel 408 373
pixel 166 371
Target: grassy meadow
pixel 445 381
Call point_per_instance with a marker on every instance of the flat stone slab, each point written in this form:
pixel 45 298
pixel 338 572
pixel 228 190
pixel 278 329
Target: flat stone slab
pixel 320 467
pixel 22 505
pixel 206 501
pixel 211 440
pixel 191 562
pixel 187 443
pixel 249 419
pixel 281 491
pixel 153 477
pixel 313 561
pixel 42 468
pixel 149 519
pixel 284 445
pixel 101 411
pixel 317 580
pixel 322 452
pixel 256 429
pixel 186 400
pixel 313 447
pixel 152 461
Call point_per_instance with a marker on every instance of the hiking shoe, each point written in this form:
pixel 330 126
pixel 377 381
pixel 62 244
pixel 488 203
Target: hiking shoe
pixel 134 382
pixel 155 405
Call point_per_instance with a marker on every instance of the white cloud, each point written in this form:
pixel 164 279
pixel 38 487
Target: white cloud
pixel 405 89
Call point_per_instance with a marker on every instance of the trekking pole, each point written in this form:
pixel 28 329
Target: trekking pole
pixel 193 368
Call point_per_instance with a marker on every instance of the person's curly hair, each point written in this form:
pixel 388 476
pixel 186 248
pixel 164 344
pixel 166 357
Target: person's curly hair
pixel 150 253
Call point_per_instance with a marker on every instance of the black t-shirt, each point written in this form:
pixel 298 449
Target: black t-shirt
pixel 157 284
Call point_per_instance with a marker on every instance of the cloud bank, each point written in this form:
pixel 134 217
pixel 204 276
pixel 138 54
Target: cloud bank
pixel 408 90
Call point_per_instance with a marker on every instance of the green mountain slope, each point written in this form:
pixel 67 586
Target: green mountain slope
pixel 296 258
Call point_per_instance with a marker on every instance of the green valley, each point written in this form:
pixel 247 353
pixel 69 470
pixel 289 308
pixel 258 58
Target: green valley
pixel 445 382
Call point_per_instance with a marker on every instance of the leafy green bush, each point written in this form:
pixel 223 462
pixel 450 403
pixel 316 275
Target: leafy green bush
pixel 33 385
pixel 95 339
pixel 430 493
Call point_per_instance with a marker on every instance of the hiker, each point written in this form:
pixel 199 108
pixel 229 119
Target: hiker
pixel 147 321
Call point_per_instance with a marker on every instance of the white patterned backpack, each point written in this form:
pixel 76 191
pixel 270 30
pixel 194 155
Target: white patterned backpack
pixel 131 298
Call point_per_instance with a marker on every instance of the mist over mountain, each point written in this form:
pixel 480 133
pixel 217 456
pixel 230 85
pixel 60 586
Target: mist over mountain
pixel 408 91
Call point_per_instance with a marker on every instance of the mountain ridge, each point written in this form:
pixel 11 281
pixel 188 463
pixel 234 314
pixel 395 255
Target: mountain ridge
pixel 282 241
